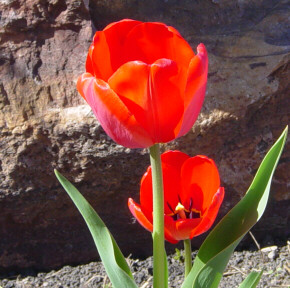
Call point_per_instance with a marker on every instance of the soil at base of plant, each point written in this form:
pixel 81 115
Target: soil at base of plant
pixel 274 262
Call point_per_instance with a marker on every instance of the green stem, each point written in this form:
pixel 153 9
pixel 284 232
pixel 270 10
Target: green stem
pixel 187 256
pixel 158 219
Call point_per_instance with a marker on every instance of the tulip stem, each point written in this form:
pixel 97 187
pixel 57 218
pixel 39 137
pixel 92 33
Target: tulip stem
pixel 158 219
pixel 187 256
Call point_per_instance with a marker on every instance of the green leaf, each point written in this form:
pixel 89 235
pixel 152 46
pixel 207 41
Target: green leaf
pixel 252 280
pixel 115 264
pixel 217 248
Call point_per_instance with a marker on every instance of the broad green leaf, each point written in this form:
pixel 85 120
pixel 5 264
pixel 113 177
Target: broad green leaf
pixel 217 248
pixel 113 260
pixel 252 280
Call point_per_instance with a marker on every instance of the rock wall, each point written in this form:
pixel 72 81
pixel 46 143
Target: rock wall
pixel 44 123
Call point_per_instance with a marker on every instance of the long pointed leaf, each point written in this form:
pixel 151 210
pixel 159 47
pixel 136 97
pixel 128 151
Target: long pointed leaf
pixel 115 264
pixel 217 248
pixel 252 280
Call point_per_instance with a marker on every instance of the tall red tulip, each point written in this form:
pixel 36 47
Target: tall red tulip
pixel 143 82
pixel 192 196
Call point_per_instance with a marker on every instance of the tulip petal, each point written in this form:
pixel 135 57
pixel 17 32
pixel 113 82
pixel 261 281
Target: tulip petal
pixel 99 57
pixel 168 236
pixel 121 28
pixel 210 214
pixel 195 180
pixel 113 115
pixel 152 94
pixel 130 82
pixel 169 229
pixel 171 185
pixel 172 162
pixel 184 227
pixel 195 90
pixel 149 42
pixel 89 62
pixel 200 181
pixel 174 159
pixel 181 229
pixel 166 88
pixel 105 54
pixel 137 212
pixel 146 193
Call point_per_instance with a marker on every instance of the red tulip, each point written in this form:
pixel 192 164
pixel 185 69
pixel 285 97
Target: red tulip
pixel 143 82
pixel 192 196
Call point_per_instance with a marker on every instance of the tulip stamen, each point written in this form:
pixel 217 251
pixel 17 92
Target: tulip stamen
pixel 180 210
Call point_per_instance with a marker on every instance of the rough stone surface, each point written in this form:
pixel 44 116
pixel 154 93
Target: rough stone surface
pixel 44 123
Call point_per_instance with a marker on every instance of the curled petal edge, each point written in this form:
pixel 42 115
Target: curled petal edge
pixel 195 90
pixel 137 212
pixel 111 112
pixel 211 213
pixel 139 215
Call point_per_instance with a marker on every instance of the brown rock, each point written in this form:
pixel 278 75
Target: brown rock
pixel 44 123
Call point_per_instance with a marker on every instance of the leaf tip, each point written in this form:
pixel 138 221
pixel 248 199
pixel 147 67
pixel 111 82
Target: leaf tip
pixel 57 174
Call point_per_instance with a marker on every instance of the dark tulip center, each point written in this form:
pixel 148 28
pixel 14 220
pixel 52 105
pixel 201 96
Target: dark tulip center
pixel 180 212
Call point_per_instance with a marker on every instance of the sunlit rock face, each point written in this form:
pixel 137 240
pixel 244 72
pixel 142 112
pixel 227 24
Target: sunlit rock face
pixel 44 123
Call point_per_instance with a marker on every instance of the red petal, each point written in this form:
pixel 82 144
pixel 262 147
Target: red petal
pixel 168 237
pixel 182 228
pixel 130 82
pixel 123 26
pixel 106 54
pixel 146 194
pixel 166 91
pixel 211 213
pixel 152 96
pixel 171 184
pixel 89 63
pixel 195 89
pixel 200 181
pixel 136 210
pixel 100 57
pixel 172 162
pixel 174 158
pixel 149 42
pixel 113 115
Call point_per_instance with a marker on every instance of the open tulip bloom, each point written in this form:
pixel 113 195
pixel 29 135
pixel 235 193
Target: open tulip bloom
pixel 192 196
pixel 146 86
pixel 143 82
